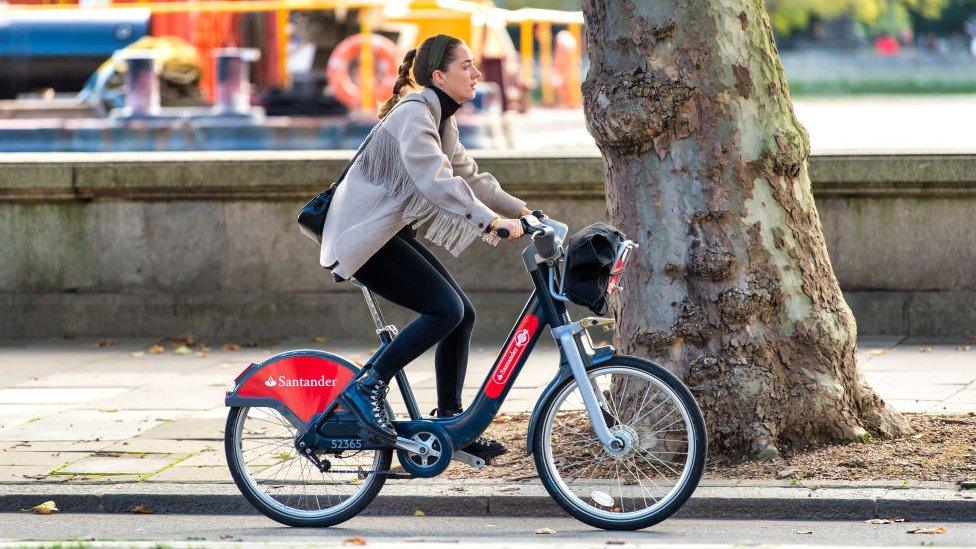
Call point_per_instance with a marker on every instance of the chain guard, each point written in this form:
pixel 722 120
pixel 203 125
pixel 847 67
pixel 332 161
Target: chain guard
pixel 428 433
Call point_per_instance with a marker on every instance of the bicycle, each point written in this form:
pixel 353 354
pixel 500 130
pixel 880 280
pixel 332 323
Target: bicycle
pixel 618 441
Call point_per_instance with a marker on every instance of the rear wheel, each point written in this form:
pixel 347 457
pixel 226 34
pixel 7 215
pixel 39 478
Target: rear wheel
pixel 647 480
pixel 289 487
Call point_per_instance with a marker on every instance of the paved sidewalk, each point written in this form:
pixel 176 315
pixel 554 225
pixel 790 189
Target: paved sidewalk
pixel 73 412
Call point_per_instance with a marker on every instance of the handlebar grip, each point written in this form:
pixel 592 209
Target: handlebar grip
pixel 502 233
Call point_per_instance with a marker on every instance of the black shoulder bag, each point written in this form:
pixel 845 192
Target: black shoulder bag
pixel 311 218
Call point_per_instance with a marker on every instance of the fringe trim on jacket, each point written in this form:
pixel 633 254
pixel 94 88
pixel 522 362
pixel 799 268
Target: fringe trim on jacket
pixel 382 164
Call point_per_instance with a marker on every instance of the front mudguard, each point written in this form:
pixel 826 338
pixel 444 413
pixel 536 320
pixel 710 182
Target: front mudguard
pixel 298 384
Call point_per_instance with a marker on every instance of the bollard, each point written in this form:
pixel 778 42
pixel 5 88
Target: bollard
pixel 232 67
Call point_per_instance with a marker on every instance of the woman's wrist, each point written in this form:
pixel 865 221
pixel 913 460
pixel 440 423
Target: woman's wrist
pixel 494 224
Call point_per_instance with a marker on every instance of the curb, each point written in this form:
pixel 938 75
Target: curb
pixel 709 502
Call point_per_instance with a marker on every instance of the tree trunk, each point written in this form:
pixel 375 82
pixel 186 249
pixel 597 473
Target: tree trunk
pixel 705 167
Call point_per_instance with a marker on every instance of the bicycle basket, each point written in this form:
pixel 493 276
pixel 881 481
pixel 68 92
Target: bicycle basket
pixel 591 257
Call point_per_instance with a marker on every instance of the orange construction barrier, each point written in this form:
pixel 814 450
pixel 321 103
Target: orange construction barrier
pixel 344 79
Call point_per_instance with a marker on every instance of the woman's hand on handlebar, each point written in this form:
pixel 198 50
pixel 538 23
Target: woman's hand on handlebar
pixel 526 211
pixel 512 226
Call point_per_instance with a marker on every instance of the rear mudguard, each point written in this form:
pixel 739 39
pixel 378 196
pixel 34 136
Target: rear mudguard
pixel 298 384
pixel 562 375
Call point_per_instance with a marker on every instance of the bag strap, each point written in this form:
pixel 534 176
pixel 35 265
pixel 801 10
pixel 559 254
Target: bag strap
pixel 365 141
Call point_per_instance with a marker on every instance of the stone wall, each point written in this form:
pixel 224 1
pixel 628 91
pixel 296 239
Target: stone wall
pixel 156 244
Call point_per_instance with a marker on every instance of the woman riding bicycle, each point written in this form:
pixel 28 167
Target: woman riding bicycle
pixel 412 170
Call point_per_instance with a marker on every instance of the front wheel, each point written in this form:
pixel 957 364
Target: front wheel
pixel 662 460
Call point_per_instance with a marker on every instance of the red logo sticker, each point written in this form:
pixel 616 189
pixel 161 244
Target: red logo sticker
pixel 513 353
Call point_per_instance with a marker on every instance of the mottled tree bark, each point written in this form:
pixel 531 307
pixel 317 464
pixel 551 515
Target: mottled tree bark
pixel 705 167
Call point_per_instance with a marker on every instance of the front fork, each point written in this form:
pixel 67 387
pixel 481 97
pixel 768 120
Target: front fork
pixel 566 336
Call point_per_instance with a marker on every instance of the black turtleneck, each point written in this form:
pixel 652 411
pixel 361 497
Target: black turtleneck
pixel 448 107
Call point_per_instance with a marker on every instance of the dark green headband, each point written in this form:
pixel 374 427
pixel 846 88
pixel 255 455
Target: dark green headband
pixel 437 51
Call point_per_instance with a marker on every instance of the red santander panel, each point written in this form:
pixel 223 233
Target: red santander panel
pixel 305 384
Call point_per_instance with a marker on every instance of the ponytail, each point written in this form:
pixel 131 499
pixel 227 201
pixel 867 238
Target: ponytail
pixel 403 80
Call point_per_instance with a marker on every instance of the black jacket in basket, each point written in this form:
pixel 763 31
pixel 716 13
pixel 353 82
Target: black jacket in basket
pixel 590 254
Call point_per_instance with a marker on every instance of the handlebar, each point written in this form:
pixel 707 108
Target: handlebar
pixel 543 235
pixel 503 233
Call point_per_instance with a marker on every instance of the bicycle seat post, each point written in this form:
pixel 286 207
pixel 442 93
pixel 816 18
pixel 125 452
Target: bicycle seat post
pixel 374 311
pixel 387 332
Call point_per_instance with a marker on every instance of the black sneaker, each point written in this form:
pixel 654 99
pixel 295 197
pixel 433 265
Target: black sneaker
pixel 483 448
pixel 367 398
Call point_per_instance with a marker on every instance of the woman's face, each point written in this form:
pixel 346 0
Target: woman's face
pixel 461 75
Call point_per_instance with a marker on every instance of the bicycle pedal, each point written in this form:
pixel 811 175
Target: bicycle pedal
pixel 469 459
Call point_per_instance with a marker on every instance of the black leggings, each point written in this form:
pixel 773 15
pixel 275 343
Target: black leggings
pixel 407 273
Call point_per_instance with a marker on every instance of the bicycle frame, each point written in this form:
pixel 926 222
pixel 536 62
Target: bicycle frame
pixel 539 311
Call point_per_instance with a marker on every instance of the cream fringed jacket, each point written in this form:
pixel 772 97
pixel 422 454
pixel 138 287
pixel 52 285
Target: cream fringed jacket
pixel 409 174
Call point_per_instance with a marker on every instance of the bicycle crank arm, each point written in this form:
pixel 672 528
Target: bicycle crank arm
pixel 411 446
pixel 469 459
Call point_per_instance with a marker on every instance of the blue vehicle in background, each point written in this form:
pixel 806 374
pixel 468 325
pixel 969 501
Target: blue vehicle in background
pixel 59 49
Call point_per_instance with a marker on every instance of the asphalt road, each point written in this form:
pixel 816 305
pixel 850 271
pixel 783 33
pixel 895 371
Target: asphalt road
pixel 496 531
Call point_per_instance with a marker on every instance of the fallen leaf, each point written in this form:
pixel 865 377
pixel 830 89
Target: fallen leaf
pixel 879 521
pixel 963 348
pixel 180 341
pixel 876 352
pixel 229 537
pixel 901 519
pixel 182 350
pixel 45 508
pixel 156 349
pixel 200 354
pixel 804 531
pixel 105 343
pixel 136 354
pixel 545 531
pixel 217 384
pixel 320 339
pixel 932 530
pixel 509 489
pixel 419 513
pixel 142 509
pixel 925 350
pixel 355 540
pixel 109 410
pixel 230 347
